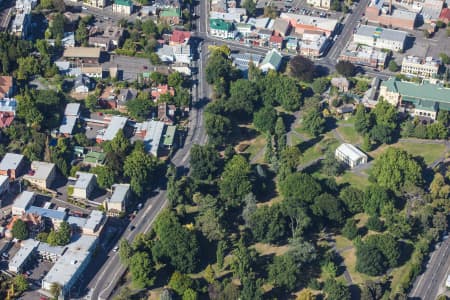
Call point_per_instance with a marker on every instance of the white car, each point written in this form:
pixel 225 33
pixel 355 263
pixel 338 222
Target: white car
pixel 116 248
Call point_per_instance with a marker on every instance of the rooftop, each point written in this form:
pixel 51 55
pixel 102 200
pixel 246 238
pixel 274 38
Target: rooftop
pixel 72 109
pixel 23 200
pixel 170 12
pixel 41 169
pixel 83 180
pixel 8 105
pixel 67 124
pixel 429 61
pixel 327 24
pixel 82 52
pixel 179 36
pixel 95 157
pixel 94 220
pixel 123 2
pixel 381 33
pixel 114 126
pixel 48 213
pixel 11 161
pixel 26 248
pixel 153 133
pixel 219 24
pixel 3 179
pixel 274 58
pixel 120 192
pixel 169 136
pixel 76 221
pixel 351 151
pixel 46 248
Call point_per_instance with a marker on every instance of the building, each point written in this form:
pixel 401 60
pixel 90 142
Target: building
pixel 302 23
pixel 381 38
pixel 19 261
pixel 179 37
pixel 7 111
pixel 325 4
pixel 281 27
pixel 82 55
pixel 95 3
pixel 56 217
pixel 117 123
pixel 242 60
pixel 50 253
pixel 22 202
pixel 169 137
pixel 221 29
pixel 341 83
pixel 94 223
pixel 124 96
pixel 12 165
pixel 431 10
pixel 82 84
pixel 388 15
pixel 21 24
pixel 71 114
pixel 272 61
pixel 4 186
pixel 6 87
pixel 162 89
pixel 171 16
pixel 182 54
pixel 84 185
pixel 313 45
pixel 166 3
pixel 444 16
pixel 364 55
pixel 42 174
pixel 123 7
pixel 71 265
pixel 419 99
pixel 118 201
pixel 420 67
pixel 350 155
pixel 151 132
pixel 94 158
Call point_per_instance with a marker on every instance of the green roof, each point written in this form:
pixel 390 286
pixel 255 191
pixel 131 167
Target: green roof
pixel 423 95
pixel 274 58
pixel 219 24
pixel 95 157
pixel 123 2
pixel 170 12
pixel 170 135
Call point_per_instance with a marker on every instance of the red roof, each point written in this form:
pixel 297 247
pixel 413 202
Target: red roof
pixel 6 118
pixel 276 39
pixel 162 89
pixel 445 14
pixel 180 37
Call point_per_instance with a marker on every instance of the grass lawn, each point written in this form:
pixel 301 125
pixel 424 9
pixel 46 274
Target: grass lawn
pixel 342 242
pixel 255 145
pixel 430 152
pixel 353 179
pixel 362 219
pixel 349 257
pixel 349 134
pixel 268 249
pixel 319 149
pixel 350 120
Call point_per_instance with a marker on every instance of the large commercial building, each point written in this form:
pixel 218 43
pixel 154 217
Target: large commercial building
pixel 381 38
pixel 364 55
pixel 421 67
pixel 388 15
pixel 313 45
pixel 303 23
pixel 423 100
pixel 350 155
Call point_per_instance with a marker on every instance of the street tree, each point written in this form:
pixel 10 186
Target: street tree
pixel 204 161
pixel 141 269
pixel 140 168
pixel 302 68
pixel 345 68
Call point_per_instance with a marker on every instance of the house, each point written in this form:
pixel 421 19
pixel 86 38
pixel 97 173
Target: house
pixel 350 155
pixel 42 174
pixel 22 202
pixel 21 25
pixel 272 61
pixel 4 185
pixel 117 123
pixel 165 54
pixel 123 7
pixel 171 16
pixel 100 41
pixel 276 42
pixel 56 217
pixel 444 16
pixel 264 34
pixel 82 55
pixel 419 99
pixel 151 133
pixel 341 83
pixel 19 261
pixel 94 223
pixel 71 114
pixel 421 67
pixel 92 71
pixel 94 158
pixel 108 98
pixel 162 89
pixel 166 113
pixel 118 201
pixel 221 29
pixel 6 87
pixel 114 34
pixel 182 54
pixel 82 84
pixel 179 37
pixel 12 165
pixel 84 185
pixel 124 96
pixel 281 27
pixel 381 38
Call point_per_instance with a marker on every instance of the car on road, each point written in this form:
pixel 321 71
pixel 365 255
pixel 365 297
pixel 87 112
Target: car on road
pixel 116 248
pixel 132 228
pixel 139 206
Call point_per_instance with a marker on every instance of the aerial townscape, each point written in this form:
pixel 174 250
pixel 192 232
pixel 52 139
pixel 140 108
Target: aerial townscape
pixel 224 150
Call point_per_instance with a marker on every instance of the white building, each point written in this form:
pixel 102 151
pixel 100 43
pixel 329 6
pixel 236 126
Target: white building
pixel 381 38
pixel 22 202
pixel 117 123
pixel 350 155
pixel 421 67
pixel 93 223
pixel 84 185
pixel 182 53
pixel 272 61
pixel 117 203
pixel 4 185
pixel 319 3
pixel 222 29
pixel 42 174
pixel 19 261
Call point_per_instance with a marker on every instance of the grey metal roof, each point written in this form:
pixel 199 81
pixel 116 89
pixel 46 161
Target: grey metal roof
pixel 11 161
pixel 94 219
pixel 120 193
pixel 83 180
pixel 41 170
pixel 114 126
pixel 26 249
pixel 46 248
pixel 24 200
pixel 381 33
pixel 72 109
pixel 48 213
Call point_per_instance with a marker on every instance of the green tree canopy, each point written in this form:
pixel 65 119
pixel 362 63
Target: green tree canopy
pixel 314 122
pixel 235 181
pixel 302 68
pixel 141 269
pixel 20 230
pixel 300 186
pixel 264 119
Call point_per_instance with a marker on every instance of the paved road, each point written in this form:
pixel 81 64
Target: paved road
pixel 432 282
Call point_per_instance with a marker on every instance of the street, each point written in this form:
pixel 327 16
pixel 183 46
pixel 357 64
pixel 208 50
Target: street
pixel 432 282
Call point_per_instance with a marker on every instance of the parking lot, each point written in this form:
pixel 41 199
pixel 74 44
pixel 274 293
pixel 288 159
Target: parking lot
pixel 298 7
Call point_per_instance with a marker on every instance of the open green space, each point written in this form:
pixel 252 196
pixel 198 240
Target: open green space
pixel 356 180
pixel 349 134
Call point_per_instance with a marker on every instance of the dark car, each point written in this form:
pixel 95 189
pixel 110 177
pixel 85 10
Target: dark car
pixel 132 228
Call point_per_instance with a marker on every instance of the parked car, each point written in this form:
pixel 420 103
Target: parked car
pixel 116 248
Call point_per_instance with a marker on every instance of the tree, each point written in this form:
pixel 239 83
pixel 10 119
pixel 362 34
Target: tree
pixel 375 224
pixel 375 199
pixel 332 166
pixel 372 290
pixel 141 269
pixel 283 272
pixel 381 134
pixel 64 233
pixel 82 34
pixel 175 79
pixel 57 26
pixel 244 258
pixel 393 67
pixel 235 182
pixel 329 208
pixel 190 294
pixel 20 230
pixel 353 199
pixel 370 260
pixel 140 107
pixel 268 224
pixel 20 283
pixel 180 282
pixel 250 7
pixel 264 119
pixel 280 134
pixel 204 162
pixel 139 167
pixel 395 167
pixel 345 68
pixel 210 224
pixel 220 253
pixel 320 85
pixel 300 186
pixel 105 176
pixel 218 128
pixel 302 68
pixel 314 122
pixel 244 97
pixel 306 294
pixel 125 251
pixel 350 230
pixel 336 290
pixel 444 58
pixel 210 275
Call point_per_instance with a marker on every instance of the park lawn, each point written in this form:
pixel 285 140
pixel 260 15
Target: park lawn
pixel 319 149
pixel 342 242
pixel 349 257
pixel 353 179
pixel 362 219
pixel 255 145
pixel 268 249
pixel 349 134
pixel 350 120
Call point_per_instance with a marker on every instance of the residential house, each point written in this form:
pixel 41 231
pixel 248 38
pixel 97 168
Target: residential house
pixel 221 29
pixel 84 185
pixel 117 123
pixel 114 34
pixel 272 61
pixel 6 87
pixel 94 223
pixel 108 98
pixel 82 84
pixel 71 114
pixel 92 71
pixel 7 111
pixel 244 29
pixel 94 158
pixel 100 41
pixel 123 7
pixel 118 201
pixel 12 165
pixel 171 16
pixel 444 16
pixel 4 185
pixel 292 44
pixel 167 3
pixel 341 83
pixel 165 54
pixel 179 37
pixel 276 42
pixel 182 54
pixel 166 113
pixel 22 202
pixel 124 96
pixel 42 174
pixel 350 155
pixel 151 133
pixel 242 60
pixel 162 89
